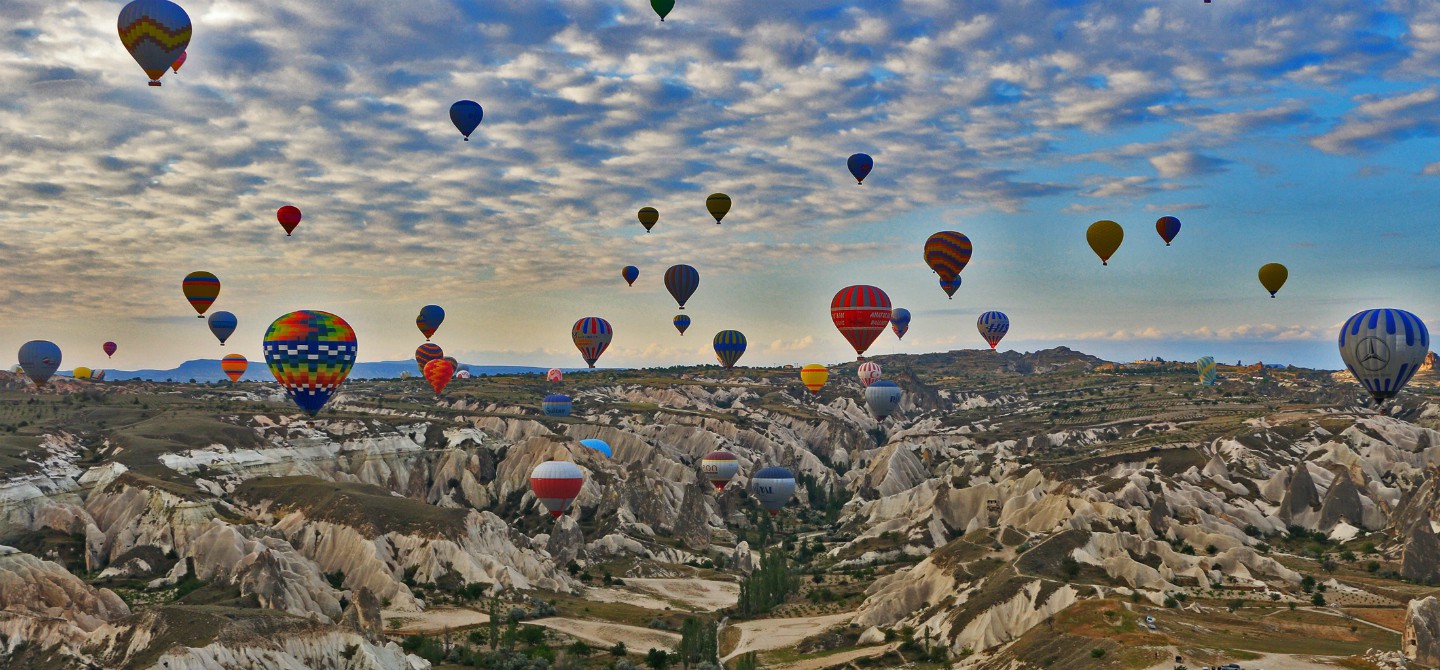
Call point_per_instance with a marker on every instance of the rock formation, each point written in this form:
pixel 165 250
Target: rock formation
pixel 1421 643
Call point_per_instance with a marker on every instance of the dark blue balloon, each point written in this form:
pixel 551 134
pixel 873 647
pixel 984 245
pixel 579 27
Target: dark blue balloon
pixel 466 116
pixel 222 324
pixel 630 273
pixel 860 165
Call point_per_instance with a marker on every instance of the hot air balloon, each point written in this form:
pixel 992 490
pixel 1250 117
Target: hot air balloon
pixel 462 374
pixel 1273 276
pixel 155 32
pixel 439 372
pixel 179 62
pixel 201 289
pixel 949 287
pixel 860 166
pixel 592 335
pixel 466 115
pixel 1205 366
pixel 718 205
pixel 427 352
pixel 554 375
pixel 662 7
pixel 868 372
pixel 729 347
pixel 110 348
pixel 39 359
pixel 556 484
pixel 682 322
pixel 222 325
pixel 598 445
pixel 774 487
pixel 947 253
pixel 1104 238
pixel 289 217
pixel 681 281
pixel 861 313
pixel 648 216
pixel 882 398
pixel 993 326
pixel 429 320
pixel 719 467
pixel 234 366
pixel 900 321
pixel 80 373
pixel 814 376
pixel 1168 227
pixel 630 273
pixel 453 363
pixel 310 353
pixel 556 404
pixel 1383 348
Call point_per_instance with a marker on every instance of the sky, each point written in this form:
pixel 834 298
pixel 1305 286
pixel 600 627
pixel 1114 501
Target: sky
pixel 1303 133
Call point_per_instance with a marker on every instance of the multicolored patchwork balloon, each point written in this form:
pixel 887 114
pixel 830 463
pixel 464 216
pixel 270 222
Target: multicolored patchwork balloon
pixel 591 335
pixel 310 353
pixel 155 32
pixel 729 347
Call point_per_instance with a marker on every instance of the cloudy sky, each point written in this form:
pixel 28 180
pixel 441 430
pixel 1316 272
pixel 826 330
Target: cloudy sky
pixel 1303 133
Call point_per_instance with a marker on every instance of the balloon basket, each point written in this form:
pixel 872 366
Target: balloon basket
pixel 154 83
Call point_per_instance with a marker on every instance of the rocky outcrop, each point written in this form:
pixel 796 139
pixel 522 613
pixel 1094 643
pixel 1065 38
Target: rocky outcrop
pixel 1421 643
pixel 742 560
pixel 1421 559
pixel 566 541
pixel 33 587
pixel 1342 504
pixel 1301 498
pixel 693 524
pixel 363 614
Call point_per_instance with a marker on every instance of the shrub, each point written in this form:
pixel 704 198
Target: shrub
pixel 1097 653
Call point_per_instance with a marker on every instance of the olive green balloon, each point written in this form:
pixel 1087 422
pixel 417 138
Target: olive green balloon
pixel 662 7
pixel 718 204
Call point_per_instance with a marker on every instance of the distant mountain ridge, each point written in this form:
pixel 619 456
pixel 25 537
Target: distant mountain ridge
pixel 208 370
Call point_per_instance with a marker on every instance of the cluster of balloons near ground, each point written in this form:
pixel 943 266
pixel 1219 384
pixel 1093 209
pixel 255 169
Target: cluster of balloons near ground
pixel 556 484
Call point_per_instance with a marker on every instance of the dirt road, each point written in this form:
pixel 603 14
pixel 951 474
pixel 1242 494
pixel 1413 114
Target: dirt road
pixel 636 639
pixel 766 634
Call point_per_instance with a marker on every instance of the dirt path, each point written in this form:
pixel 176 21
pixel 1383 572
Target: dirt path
pixel 636 639
pixel 765 634
pixel 836 659
pixel 1268 662
pixel 432 620
pixel 705 595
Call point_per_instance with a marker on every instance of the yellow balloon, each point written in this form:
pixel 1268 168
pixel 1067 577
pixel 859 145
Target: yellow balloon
pixel 81 373
pixel 814 376
pixel 1104 237
pixel 1273 276
pixel 718 204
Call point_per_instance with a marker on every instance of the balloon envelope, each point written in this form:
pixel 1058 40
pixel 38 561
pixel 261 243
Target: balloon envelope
pixel 591 335
pixel 719 467
pixel 234 366
pixel 80 373
pixel 860 166
pixel 1104 238
pixel 868 372
pixel 1383 348
pixel 466 115
pixel 681 321
pixel 718 204
pixel 201 289
pixel 814 376
pixel 882 398
pixel 179 62
pixel 439 372
pixel 289 217
pixel 993 326
pixel 556 404
pixel 681 281
pixel 630 273
pixel 110 348
pixel 429 319
pixel 556 484
pixel 900 321
pixel 947 253
pixel 729 347
pixel 1205 366
pixel 1168 227
pixel 222 325
pixel 155 32
pixel 648 216
pixel 1273 276
pixel 39 359
pixel 427 352
pixel 774 487
pixel 949 287
pixel 598 445
pixel 554 375
pixel 662 7
pixel 310 353
pixel 860 312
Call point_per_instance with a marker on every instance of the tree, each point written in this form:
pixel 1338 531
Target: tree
pixel 580 649
pixel 1070 567
pixel 657 659
pixel 619 649
pixel 1318 600
pixel 494 624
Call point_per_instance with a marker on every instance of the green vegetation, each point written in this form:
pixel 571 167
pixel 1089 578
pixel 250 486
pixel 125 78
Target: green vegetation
pixel 768 585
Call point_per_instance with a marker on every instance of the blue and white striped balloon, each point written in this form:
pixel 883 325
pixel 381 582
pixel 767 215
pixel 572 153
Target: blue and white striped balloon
pixel 993 326
pixel 1383 348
